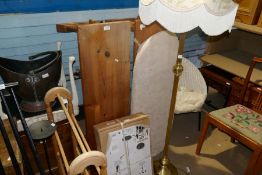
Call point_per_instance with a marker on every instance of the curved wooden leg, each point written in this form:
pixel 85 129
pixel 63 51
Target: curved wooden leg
pixel 258 167
pixel 199 121
pixel 202 134
pixel 252 167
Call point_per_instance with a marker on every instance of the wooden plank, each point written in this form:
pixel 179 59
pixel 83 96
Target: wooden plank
pixel 239 69
pixel 105 69
pixel 248 11
pixel 142 33
pixel 67 27
pixel 73 26
pixel 248 28
pixel 259 24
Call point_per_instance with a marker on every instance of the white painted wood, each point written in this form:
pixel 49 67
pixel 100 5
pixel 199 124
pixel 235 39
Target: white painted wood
pixel 73 85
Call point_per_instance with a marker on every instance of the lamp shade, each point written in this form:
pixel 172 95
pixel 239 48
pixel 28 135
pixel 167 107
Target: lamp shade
pixel 213 16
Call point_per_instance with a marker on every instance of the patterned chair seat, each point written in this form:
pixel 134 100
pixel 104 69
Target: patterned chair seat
pixel 241 119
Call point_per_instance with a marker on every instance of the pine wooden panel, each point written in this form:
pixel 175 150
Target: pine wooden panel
pixel 105 69
pixel 248 11
pixel 259 24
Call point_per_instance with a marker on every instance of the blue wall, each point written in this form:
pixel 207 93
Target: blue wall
pixel 40 6
pixel 22 35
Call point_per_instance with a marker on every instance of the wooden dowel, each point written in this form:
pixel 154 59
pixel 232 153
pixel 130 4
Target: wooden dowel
pixel 78 152
pixel 79 143
pixel 83 149
pixel 62 152
pixel 76 129
pixel 61 168
pixel 81 134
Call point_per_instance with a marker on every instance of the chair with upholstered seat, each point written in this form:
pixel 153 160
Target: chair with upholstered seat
pixel 240 123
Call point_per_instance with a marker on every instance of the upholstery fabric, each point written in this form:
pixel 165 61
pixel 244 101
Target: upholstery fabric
pixel 241 119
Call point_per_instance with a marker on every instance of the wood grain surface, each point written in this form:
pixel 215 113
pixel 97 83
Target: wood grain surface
pixel 104 50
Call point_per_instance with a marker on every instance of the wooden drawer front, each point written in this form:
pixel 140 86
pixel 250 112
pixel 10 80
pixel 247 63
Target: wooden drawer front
pixel 217 79
pixel 248 11
pixel 259 24
pixel 250 97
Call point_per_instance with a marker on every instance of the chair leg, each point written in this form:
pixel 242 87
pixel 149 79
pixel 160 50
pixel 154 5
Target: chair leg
pixel 199 121
pixel 202 134
pixel 233 140
pixel 252 163
pixel 258 167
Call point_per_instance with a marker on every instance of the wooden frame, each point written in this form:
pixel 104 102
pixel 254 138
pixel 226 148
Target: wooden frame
pixel 84 156
pixel 259 24
pixel 97 106
pixel 253 167
pixel 248 11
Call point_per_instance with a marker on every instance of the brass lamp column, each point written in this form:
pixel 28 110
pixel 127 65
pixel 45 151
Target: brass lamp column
pixel 164 166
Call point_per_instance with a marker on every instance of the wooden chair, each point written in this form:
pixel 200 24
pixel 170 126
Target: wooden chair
pixel 240 123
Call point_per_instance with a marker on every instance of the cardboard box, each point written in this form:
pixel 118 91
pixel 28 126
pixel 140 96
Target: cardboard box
pixel 102 129
pixel 126 143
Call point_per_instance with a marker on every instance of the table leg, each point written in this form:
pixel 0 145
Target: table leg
pixel 47 157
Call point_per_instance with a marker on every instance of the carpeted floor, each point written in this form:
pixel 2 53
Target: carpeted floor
pixel 218 156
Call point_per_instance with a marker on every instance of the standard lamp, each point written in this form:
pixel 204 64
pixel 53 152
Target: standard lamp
pixel 214 17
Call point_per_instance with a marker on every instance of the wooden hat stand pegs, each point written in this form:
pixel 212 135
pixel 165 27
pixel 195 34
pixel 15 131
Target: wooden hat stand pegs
pixel 84 157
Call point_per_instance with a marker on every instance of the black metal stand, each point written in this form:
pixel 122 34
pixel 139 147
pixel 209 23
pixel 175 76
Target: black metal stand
pixel 18 140
pixel 17 136
pixel 41 131
pixel 29 136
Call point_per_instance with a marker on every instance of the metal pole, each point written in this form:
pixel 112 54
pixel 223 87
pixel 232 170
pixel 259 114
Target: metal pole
pixel 29 136
pixel 17 137
pixel 2 171
pixel 9 148
pixel 164 166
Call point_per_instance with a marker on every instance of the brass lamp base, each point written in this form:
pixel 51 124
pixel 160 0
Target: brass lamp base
pixel 164 167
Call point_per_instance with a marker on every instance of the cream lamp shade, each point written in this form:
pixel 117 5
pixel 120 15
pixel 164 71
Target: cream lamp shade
pixel 179 16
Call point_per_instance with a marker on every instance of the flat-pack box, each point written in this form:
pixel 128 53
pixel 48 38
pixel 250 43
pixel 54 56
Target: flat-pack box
pixel 126 143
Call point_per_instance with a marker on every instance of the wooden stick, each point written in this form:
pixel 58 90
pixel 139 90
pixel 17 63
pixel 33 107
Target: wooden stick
pixel 76 128
pixel 86 159
pixel 71 124
pixel 62 152
pixel 81 133
pixel 85 171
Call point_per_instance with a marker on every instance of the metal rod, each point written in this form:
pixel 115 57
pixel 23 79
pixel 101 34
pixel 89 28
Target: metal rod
pixel 164 166
pixel 47 157
pixel 2 171
pixel 29 136
pixel 9 148
pixel 17 137
pixel 3 86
